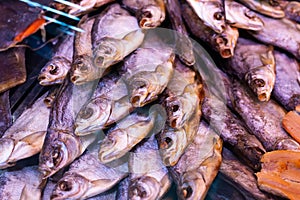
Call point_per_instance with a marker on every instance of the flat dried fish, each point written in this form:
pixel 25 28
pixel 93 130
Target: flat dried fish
pixel 5 113
pixel 199 165
pixel 12 69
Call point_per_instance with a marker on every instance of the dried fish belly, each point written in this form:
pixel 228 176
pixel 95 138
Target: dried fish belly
pixel 55 71
pixel 148 177
pixel 199 165
pixel 25 137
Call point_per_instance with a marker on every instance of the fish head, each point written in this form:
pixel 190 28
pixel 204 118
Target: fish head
pixel 261 80
pixel 226 41
pixel 83 70
pixel 215 19
pixel 112 145
pixel 61 150
pixel 6 148
pixel 252 20
pixel 108 52
pixel 71 186
pixel 144 187
pixel 93 116
pixel 192 186
pixel 150 16
pixel 54 72
pixel 172 143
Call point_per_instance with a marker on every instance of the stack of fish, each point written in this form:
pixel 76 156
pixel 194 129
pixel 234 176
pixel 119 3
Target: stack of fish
pixel 129 114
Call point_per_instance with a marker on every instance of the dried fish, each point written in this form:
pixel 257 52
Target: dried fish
pixel 5 113
pixel 55 71
pixel 210 12
pixel 199 165
pixel 149 72
pixel 61 145
pixel 265 7
pixel 241 177
pixel 128 132
pixel 291 10
pixel 49 99
pixel 25 137
pixel 122 191
pixel 280 173
pixel 232 131
pixel 87 177
pixel 87 6
pixel 254 63
pixel 262 118
pixel 289 36
pixel 12 68
pixel 149 178
pixel 109 104
pixel 184 46
pixel 287 86
pixel 82 60
pixel 291 123
pixel 115 34
pixel 21 184
pixel 224 42
pixel 239 16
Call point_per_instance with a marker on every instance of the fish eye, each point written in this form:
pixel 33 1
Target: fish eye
pixel 56 156
pixel 274 3
pixel 259 82
pixel 65 186
pixel 218 16
pixel 147 14
pixel 167 142
pixel 187 192
pixel 175 108
pixel 53 69
pixel 86 113
pixel 99 60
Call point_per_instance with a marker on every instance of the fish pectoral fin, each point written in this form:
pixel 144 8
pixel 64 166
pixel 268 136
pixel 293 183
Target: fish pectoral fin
pixel 268 58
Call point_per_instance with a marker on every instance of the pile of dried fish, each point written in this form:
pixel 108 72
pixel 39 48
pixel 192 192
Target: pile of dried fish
pixel 131 110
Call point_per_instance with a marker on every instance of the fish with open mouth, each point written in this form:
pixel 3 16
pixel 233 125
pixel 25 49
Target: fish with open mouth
pixel 88 177
pixel 149 178
pixel 149 71
pixel 239 16
pixel 55 70
pixel 25 137
pixel 109 103
pixel 129 132
pixel 255 64
pixel 262 118
pixel 199 165
pixel 232 131
pixel 241 177
pixel 268 8
pixel 223 43
pixel 82 59
pixel 5 113
pixel 61 146
pixel 210 12
pixel 21 184
pixel 115 34
pixel 52 93
pixel 288 39
pixel 150 13
pixel 184 46
pixel 287 86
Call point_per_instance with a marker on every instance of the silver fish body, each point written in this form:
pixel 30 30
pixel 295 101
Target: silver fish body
pixel 255 64
pixel 25 137
pixel 5 113
pixel 82 62
pixel 21 184
pixel 87 177
pixel 289 36
pixel 115 34
pixel 149 178
pixel 287 86
pixel 265 7
pixel 224 43
pixel 128 132
pixel 262 118
pixel 109 103
pixel 149 72
pixel 199 165
pixel 239 16
pixel 61 146
pixel 150 13
pixel 210 12
pixel 55 71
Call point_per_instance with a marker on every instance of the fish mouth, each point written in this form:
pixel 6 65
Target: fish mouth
pixel 81 67
pixel 140 92
pixel 192 189
pixel 150 17
pixel 144 187
pixel 225 50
